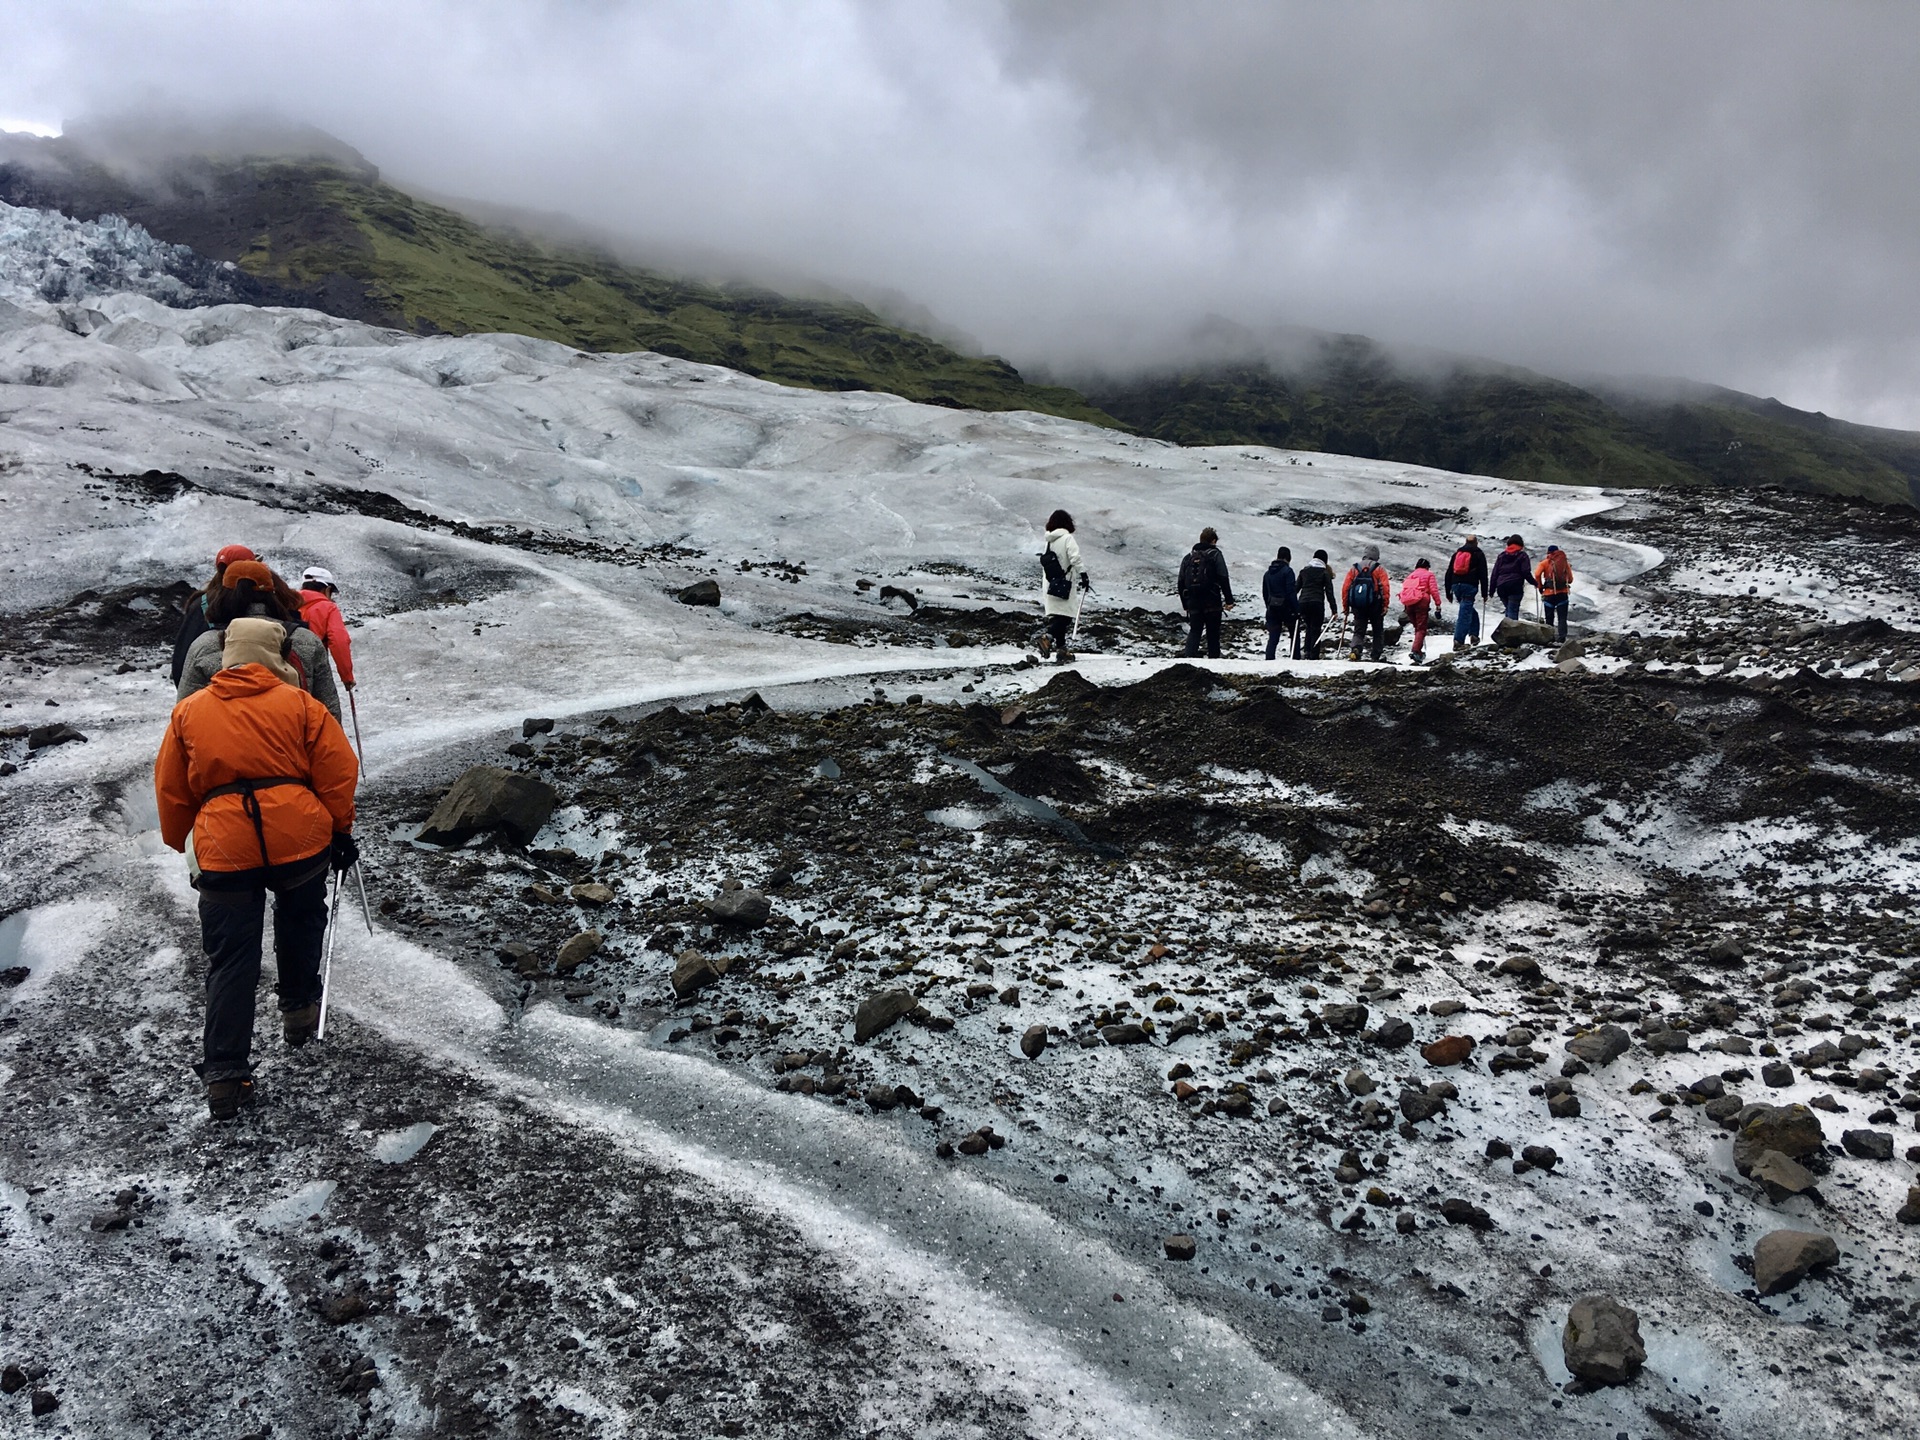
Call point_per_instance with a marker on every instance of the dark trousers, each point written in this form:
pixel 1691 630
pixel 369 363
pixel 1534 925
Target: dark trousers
pixel 1313 619
pixel 1205 622
pixel 1059 627
pixel 1418 615
pixel 1277 626
pixel 1369 617
pixel 1556 608
pixel 233 909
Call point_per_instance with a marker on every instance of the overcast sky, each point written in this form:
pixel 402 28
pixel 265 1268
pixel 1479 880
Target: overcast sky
pixel 1724 191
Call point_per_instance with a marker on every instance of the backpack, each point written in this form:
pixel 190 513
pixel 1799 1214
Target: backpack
pixel 1462 567
pixel 1364 592
pixel 1193 573
pixel 1058 585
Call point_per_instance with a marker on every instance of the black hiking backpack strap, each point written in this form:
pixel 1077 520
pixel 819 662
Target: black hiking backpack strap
pixel 246 789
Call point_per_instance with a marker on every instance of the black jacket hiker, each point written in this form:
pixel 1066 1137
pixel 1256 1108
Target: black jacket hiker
pixel 1281 592
pixel 1203 579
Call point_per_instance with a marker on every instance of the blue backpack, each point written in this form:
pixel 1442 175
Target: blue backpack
pixel 1364 592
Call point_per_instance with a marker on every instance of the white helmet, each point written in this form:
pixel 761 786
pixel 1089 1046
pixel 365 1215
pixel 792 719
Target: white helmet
pixel 318 574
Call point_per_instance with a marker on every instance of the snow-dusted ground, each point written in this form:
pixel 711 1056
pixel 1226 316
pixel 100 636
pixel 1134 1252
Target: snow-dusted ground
pixel 558 502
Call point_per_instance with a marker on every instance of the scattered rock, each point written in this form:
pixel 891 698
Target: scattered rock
pixel 1440 1009
pixel 1394 1033
pixel 1726 952
pixel 44 1402
pixel 531 727
pixel 878 1011
pixel 1668 1042
pixel 1868 1144
pixel 1909 1213
pixel 748 908
pixel 1780 1177
pixel 1358 1082
pixel 42 736
pixel 1464 1212
pixel 578 950
pixel 1128 1033
pixel 701 592
pixel 489 798
pixel 1180 1247
pixel 1792 1130
pixel 1540 1157
pixel 1447 1050
pixel 1034 1041
pixel 1601 1342
pixel 12 1380
pixel 692 971
pixel 592 893
pixel 1777 1073
pixel 1600 1047
pixel 1524 966
pixel 1417 1105
pixel 1344 1019
pixel 1783 1258
pixel 1511 634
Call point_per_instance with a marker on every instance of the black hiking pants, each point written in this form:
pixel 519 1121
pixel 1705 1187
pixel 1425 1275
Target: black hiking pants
pixel 1279 625
pixel 1313 619
pixel 1369 618
pixel 1059 627
pixel 233 910
pixel 1205 622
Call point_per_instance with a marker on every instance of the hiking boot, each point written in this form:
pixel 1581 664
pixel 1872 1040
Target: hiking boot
pixel 226 1098
pixel 1046 646
pixel 1353 655
pixel 300 1026
pixel 1063 657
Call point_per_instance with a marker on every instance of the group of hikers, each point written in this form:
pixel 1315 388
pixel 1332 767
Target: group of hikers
pixel 1300 603
pixel 255 782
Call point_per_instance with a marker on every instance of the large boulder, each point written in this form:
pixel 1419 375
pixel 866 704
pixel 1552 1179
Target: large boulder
pixel 748 908
pixel 1780 1177
pixel 1600 1047
pixel 701 592
pixel 1792 1130
pixel 489 798
pixel 1783 1258
pixel 1511 633
pixel 878 1011
pixel 692 972
pixel 1601 1342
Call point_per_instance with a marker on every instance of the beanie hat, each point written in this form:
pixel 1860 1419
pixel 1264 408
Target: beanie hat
pixel 255 641
pixel 1372 552
pixel 253 570
pixel 1553 549
pixel 230 553
pixel 1319 554
pixel 317 575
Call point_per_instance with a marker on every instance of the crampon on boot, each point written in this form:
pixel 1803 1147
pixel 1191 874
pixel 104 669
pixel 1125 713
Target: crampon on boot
pixel 299 1026
pixel 226 1098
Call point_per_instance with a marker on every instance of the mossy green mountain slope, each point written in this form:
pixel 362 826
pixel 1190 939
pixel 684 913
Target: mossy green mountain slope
pixel 311 222
pixel 325 230
pixel 1348 395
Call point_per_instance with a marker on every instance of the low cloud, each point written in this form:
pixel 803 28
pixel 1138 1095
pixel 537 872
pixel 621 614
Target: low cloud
pixel 1717 190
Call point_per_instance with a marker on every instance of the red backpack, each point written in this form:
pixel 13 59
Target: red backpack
pixel 1462 563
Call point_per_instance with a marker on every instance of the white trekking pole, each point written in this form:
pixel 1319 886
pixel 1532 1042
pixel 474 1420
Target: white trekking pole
pixel 326 964
pixel 360 879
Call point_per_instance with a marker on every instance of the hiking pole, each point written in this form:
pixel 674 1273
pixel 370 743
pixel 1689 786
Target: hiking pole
pixel 360 879
pixel 326 965
pixel 353 709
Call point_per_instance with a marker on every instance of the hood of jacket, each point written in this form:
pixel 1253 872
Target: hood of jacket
pixel 257 642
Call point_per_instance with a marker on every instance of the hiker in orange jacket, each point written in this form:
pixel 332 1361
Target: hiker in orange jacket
pixel 259 775
pixel 1554 576
pixel 1365 593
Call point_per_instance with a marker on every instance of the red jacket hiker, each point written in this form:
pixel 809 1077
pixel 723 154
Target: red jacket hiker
pixel 323 618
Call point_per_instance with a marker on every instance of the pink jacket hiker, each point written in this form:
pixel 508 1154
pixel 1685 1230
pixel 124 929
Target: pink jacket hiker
pixel 1421 585
pixel 323 618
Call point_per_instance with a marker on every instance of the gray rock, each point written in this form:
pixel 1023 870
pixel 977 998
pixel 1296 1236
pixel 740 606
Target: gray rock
pixel 1358 1082
pixel 1417 1105
pixel 592 893
pixel 489 798
pixel 1668 1042
pixel 740 907
pixel 878 1011
pixel 1518 1037
pixel 1541 1157
pixel 1792 1130
pixel 1126 1033
pixel 1602 1046
pixel 1180 1247
pixel 1868 1144
pixel 701 592
pixel 1601 1342
pixel 1783 1258
pixel 41 736
pixel 692 972
pixel 1909 1213
pixel 1780 1177
pixel 1344 1019
pixel 1726 952
pixel 533 726
pixel 579 949
pixel 1777 1073
pixel 1034 1041
pixel 1464 1212
pixel 1514 633
pixel 1393 1033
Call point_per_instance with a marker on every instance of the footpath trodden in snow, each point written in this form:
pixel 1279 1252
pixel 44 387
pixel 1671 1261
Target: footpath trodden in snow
pixel 792 1080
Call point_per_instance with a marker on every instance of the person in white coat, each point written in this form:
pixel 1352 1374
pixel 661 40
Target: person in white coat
pixel 1063 582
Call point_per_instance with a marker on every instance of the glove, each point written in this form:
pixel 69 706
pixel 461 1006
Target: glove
pixel 1085 582
pixel 346 853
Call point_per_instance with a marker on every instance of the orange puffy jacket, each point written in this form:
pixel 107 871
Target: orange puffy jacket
pixel 323 618
pixel 1554 574
pixel 251 725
